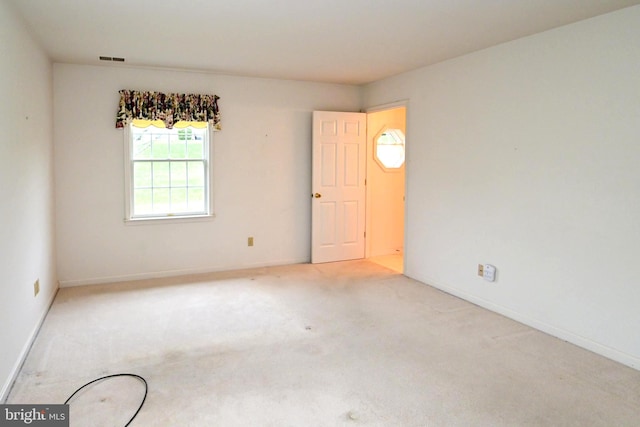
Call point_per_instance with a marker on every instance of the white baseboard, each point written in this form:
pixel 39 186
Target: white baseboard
pixel 603 350
pixel 6 387
pixel 172 273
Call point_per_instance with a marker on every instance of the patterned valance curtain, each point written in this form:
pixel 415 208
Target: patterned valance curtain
pixel 168 107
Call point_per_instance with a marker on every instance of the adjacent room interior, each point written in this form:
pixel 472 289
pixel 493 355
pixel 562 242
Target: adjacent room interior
pixel 497 135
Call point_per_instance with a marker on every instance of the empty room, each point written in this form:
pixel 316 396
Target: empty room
pixel 289 213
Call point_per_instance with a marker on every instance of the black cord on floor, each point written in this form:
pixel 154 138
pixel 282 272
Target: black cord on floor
pixel 146 389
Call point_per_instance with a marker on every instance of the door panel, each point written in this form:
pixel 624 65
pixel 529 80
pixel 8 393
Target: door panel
pixel 338 210
pixel 328 215
pixel 351 166
pixel 329 166
pixel 350 217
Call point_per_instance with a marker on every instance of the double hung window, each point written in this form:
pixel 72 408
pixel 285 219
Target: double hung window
pixel 167 170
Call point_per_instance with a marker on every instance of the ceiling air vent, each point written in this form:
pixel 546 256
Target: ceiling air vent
pixel 111 58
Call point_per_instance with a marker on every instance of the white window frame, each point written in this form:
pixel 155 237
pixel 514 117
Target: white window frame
pixel 380 161
pixel 169 217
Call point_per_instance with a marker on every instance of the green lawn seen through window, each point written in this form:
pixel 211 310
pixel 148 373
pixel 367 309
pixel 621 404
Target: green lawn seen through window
pixel 168 171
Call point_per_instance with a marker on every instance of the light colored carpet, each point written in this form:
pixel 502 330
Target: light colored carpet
pixel 394 262
pixel 340 344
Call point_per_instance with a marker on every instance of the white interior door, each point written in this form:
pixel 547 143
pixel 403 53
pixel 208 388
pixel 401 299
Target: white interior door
pixel 338 198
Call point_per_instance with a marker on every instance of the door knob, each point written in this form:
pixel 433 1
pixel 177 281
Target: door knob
pixel 317 195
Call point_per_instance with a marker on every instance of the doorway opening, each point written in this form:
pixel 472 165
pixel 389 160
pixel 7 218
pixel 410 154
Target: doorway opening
pixel 385 200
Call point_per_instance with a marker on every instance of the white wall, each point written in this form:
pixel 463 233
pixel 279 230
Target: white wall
pixel 26 192
pixel 526 155
pixel 262 175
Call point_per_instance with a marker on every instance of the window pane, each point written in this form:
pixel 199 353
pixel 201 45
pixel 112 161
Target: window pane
pixel 160 174
pixel 160 148
pixel 392 156
pixel 141 175
pixel 196 199
pixel 185 134
pixel 141 146
pixel 168 171
pixel 195 149
pixel 390 148
pixel 142 203
pixel 178 174
pixel 178 149
pixel 196 174
pixel 179 200
pixel 161 200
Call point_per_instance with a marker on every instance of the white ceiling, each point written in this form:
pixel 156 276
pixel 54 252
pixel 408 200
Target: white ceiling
pixel 342 41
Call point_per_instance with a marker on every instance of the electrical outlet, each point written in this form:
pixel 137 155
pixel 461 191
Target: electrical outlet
pixel 36 287
pixel 250 241
pixel 480 270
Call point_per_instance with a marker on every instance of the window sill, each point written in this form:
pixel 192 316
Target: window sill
pixel 169 220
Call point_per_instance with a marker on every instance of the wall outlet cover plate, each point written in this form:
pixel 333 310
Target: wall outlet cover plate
pixel 489 272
